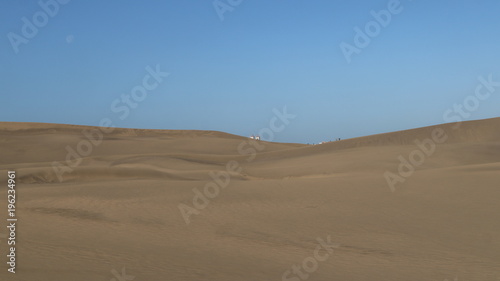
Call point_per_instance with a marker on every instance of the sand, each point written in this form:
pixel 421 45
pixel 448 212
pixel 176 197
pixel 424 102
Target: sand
pixel 115 214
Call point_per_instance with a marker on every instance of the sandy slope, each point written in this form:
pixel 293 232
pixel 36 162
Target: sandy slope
pixel 119 207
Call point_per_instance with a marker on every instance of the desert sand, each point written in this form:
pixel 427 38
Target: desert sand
pixel 116 215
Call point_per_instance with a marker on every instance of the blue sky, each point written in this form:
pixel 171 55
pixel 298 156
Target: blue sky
pixel 229 75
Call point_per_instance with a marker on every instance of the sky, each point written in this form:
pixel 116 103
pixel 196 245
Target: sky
pixel 231 65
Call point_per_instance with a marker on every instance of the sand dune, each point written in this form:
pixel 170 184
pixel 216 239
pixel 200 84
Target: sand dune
pixel 118 207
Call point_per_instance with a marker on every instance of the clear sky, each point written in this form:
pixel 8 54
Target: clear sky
pixel 229 70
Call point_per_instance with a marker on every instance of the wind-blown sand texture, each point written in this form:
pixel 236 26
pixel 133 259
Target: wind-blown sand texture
pixel 119 208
